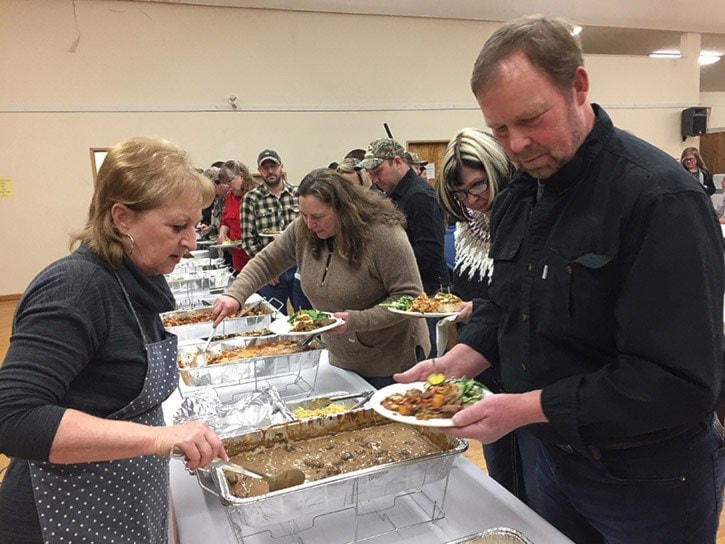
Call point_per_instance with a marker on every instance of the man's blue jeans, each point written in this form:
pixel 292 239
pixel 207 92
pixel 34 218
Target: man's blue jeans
pixel 288 288
pixel 666 492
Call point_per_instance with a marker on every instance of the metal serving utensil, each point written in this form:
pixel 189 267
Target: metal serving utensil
pixel 244 312
pixel 305 341
pixel 322 402
pixel 284 479
pixel 208 340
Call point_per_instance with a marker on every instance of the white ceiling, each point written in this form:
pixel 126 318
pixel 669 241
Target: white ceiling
pixel 618 26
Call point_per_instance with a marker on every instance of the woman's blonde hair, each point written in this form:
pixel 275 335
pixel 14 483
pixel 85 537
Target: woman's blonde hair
pixel 357 210
pixel 475 149
pixel 695 153
pixel 141 173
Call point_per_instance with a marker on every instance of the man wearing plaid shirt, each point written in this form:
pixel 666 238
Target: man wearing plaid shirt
pixel 269 209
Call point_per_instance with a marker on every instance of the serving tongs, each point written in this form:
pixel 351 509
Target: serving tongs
pixel 306 341
pixel 244 312
pixel 322 402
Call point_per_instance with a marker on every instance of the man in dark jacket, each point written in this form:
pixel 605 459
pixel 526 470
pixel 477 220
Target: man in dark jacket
pixel 388 169
pixel 606 306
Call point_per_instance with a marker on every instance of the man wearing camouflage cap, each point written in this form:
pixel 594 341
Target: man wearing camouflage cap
pixel 417 164
pixel 385 161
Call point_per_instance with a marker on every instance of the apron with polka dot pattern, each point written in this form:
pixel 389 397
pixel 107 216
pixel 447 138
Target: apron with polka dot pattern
pixel 114 502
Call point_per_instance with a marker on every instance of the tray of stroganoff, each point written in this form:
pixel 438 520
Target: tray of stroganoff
pixel 497 535
pixel 255 314
pixel 242 359
pixel 347 458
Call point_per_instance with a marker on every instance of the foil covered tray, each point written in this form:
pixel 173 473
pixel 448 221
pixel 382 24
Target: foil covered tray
pixel 498 535
pixel 230 325
pixel 195 372
pixel 333 492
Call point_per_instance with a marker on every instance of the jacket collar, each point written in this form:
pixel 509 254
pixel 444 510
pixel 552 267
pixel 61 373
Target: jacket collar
pixel 404 185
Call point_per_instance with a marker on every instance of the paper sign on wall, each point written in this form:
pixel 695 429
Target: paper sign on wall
pixel 430 169
pixel 6 187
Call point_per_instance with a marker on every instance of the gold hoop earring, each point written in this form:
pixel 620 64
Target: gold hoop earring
pixel 133 242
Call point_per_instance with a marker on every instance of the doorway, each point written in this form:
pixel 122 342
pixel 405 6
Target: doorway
pixel 431 151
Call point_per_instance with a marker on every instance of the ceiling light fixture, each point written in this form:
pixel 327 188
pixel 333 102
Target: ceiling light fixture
pixel 706 57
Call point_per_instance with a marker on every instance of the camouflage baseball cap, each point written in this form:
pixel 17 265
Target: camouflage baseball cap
pixel 380 150
pixel 413 158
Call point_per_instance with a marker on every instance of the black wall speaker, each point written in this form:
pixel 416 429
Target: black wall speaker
pixel 694 122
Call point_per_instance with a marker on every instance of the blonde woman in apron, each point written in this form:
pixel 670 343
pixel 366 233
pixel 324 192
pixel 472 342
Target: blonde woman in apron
pixel 90 363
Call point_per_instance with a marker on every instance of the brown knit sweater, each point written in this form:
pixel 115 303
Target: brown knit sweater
pixel 377 342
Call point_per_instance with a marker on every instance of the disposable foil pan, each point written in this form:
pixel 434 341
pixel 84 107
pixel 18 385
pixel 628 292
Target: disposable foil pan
pixel 195 372
pixel 228 326
pixel 335 492
pixel 498 535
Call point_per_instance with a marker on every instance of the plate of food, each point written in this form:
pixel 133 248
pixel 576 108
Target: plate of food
pixel 439 305
pixel 226 244
pixel 270 233
pixel 431 403
pixel 306 322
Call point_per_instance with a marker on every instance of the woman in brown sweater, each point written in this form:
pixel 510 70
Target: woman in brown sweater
pixel 352 252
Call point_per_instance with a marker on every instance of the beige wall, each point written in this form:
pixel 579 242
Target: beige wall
pixel 310 85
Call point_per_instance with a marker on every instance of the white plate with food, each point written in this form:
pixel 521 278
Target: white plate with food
pixel 306 322
pixel 270 233
pixel 422 314
pixel 439 305
pixel 389 401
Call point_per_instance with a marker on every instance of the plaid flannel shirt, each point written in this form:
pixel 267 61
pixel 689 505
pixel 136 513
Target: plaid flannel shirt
pixel 262 210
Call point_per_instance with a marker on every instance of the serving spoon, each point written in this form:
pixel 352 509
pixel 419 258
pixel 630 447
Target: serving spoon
pixel 283 480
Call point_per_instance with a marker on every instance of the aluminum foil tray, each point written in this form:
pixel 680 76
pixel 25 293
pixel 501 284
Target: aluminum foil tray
pixel 187 265
pixel 350 402
pixel 195 373
pixel 228 326
pixel 499 535
pixel 335 492
pixel 198 280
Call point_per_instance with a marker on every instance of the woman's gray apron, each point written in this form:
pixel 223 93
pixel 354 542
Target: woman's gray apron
pixel 114 501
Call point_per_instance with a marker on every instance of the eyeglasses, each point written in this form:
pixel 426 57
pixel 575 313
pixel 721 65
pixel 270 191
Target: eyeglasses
pixel 689 159
pixel 475 190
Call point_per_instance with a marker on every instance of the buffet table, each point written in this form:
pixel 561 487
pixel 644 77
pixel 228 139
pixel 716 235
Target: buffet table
pixel 471 502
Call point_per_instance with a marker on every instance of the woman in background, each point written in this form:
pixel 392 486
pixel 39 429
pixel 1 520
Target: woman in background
pixel 352 252
pixel 474 170
pixel 240 182
pixel 692 161
pixel 89 364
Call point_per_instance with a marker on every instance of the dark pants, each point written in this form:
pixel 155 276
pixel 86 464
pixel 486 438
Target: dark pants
pixel 511 461
pixel 431 323
pixel 288 288
pixel 666 492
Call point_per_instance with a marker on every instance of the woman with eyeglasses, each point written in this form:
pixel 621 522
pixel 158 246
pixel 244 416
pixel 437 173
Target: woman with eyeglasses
pixel 474 170
pixel 692 161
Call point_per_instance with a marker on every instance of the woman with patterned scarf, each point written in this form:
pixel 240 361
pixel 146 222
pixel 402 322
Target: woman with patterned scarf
pixel 473 171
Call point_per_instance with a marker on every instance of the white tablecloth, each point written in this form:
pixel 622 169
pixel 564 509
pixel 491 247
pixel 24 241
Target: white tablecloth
pixel 473 501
